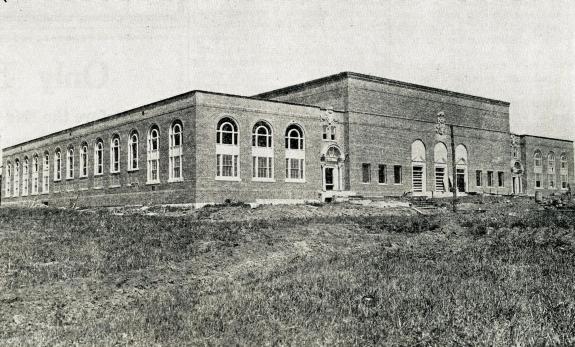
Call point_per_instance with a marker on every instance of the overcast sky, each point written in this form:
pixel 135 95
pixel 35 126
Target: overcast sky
pixel 63 63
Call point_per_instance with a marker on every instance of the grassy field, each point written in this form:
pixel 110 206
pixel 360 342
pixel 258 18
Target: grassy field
pixel 500 277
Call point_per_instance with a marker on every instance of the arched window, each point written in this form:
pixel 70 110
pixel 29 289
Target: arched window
pixel 8 191
pixel 35 170
pixel 16 177
pixel 564 171
pixel 57 165
pixel 461 161
pixel 70 163
pixel 84 160
pixel 227 150
pixel 294 137
pixel 551 170
pixel 440 160
pixel 295 153
pixel 537 159
pixel 153 154
pixel 99 157
pixel 418 176
pixel 115 154
pixel 227 132
pixel 46 173
pixel 25 176
pixel 262 152
pixel 176 152
pixel 133 151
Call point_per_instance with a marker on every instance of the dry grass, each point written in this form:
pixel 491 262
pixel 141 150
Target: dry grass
pixel 496 278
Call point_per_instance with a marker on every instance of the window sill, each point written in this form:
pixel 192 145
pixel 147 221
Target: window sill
pixel 69 178
pixel 83 189
pixel 98 188
pixel 115 186
pixel 134 170
pixel 83 177
pixel 149 183
pixel 115 172
pixel 265 180
pixel 294 180
pixel 398 184
pixel 57 180
pixel 45 193
pixel 381 184
pixel 365 183
pixel 233 179
pixel 98 174
pixel 175 180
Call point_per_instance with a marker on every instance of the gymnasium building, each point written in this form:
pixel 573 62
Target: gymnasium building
pixel 343 135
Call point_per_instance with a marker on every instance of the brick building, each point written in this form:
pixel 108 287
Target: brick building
pixel 340 135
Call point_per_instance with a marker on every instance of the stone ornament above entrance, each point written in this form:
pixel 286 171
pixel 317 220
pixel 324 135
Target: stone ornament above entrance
pixel 332 154
pixel 328 117
pixel 441 126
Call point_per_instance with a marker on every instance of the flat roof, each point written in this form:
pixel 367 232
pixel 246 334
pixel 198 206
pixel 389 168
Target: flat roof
pixel 546 138
pixel 348 74
pixel 147 106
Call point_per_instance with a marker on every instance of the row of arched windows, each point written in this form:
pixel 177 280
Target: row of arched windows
pixel 227 151
pixel 67 169
pixel 551 172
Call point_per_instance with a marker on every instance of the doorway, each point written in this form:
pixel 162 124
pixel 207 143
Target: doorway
pixel 517 185
pixel 328 174
pixel 331 178
pixel 461 186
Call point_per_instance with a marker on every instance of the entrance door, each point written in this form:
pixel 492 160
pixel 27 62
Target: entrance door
pixel 328 178
pixel 460 180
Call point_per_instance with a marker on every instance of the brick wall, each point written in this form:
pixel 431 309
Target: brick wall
pixel 529 144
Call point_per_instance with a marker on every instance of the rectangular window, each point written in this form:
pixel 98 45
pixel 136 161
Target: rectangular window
pixel 226 165
pixel 564 181
pixel 478 178
pixel 537 180
pixel 295 169
pixel 333 133
pixel 382 174
pixel 325 127
pixel 551 179
pixel 176 167
pixel 501 179
pixel 490 178
pixel 397 174
pixel 262 167
pixel 366 173
pixel 440 179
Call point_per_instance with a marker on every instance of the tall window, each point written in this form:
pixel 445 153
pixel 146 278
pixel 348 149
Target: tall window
pixel 115 154
pixel 418 169
pixel 227 150
pixel 490 178
pixel 538 180
pixel 46 173
pixel 35 170
pixel 295 153
pixel 25 177
pixel 99 157
pixel 440 159
pixel 8 190
pixel 551 170
pixel 366 173
pixel 500 179
pixel 153 155
pixel 17 177
pixel 382 174
pixel 70 164
pixel 537 162
pixel 397 174
pixel 176 152
pixel 133 151
pixel 564 171
pixel 262 152
pixel 84 160
pixel 478 178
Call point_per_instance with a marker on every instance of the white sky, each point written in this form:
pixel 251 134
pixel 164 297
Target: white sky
pixel 63 63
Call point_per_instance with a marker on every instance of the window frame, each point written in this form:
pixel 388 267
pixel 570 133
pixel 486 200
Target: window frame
pixel 70 163
pixel 115 154
pixel 175 152
pixel 99 158
pixel 397 178
pixel 295 154
pixel 366 173
pixel 133 158
pixel 57 165
pixel 153 155
pixel 382 168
